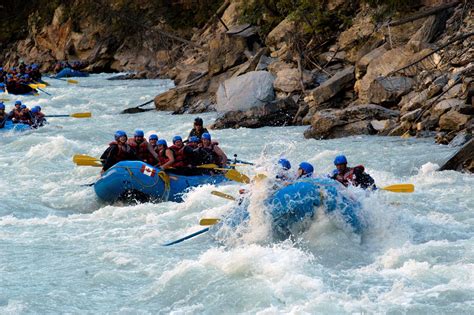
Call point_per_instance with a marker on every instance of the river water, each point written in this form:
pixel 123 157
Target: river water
pixel 62 251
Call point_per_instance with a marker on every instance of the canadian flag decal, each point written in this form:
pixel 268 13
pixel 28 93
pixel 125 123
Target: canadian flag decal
pixel 148 171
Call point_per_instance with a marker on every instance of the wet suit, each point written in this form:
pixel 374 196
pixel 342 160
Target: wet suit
pixel 115 153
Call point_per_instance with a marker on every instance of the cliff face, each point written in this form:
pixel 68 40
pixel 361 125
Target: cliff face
pixel 119 35
pixel 386 67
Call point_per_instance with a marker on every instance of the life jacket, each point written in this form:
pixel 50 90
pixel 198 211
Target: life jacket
pixel 15 114
pixel 141 150
pixel 162 158
pixel 123 151
pixel 180 158
pixel 195 133
pixel 25 118
pixel 348 177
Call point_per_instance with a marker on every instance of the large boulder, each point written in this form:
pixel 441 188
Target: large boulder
pixel 383 65
pixel 453 120
pixel 277 113
pixel 389 89
pixel 289 80
pixel 330 123
pixel 252 89
pixel 332 86
pixel 225 52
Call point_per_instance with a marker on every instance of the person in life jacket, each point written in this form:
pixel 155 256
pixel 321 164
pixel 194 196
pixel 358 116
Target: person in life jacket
pixel 118 150
pixel 191 152
pixel 198 129
pixel 14 114
pixel 180 158
pixel 165 155
pixel 210 153
pixel 355 176
pixel 25 115
pixel 3 115
pixel 143 150
pixel 305 170
pixel 37 117
pixel 152 140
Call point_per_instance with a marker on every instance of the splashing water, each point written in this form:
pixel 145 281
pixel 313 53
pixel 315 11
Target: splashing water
pixel 62 251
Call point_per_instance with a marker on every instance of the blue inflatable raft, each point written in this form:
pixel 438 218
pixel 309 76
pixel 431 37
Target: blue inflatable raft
pixel 135 180
pixel 294 204
pixel 68 72
pixel 10 126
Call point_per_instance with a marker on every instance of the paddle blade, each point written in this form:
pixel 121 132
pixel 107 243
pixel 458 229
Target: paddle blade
pixel 259 177
pixel 81 115
pixel 4 99
pixel 222 195
pixel 208 221
pixel 400 188
pixel 207 166
pixel 33 86
pixel 85 160
pixel 41 85
pixel 237 177
pixel 72 81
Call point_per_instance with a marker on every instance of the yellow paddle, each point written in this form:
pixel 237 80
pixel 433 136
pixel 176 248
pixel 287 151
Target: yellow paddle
pixel 236 176
pixel 222 195
pixel 42 85
pixel 400 188
pixel 37 85
pixel 231 174
pixel 85 160
pixel 208 221
pixel 75 115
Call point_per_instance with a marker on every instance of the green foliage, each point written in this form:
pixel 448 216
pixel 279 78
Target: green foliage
pixel 311 15
pixel 387 8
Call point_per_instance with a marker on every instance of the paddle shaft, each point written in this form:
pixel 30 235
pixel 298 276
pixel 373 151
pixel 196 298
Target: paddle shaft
pixel 186 237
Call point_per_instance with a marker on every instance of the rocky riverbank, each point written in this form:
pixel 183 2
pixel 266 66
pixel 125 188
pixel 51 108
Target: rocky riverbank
pixel 398 68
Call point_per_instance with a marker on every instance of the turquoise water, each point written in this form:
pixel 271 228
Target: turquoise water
pixel 62 251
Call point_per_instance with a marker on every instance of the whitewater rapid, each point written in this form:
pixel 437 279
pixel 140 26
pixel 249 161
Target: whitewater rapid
pixel 63 251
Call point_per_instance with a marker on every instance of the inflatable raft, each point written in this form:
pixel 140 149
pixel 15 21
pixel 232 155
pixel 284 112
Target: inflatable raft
pixel 21 89
pixel 68 72
pixel 290 206
pixel 10 126
pixel 135 180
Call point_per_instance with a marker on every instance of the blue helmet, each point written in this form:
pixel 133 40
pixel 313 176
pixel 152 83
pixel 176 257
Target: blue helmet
pixel 35 110
pixel 340 159
pixel 285 164
pixel 120 133
pixel 162 142
pixel 2 84
pixel 38 107
pixel 307 168
pixel 17 102
pixel 2 106
pixel 177 138
pixel 153 137
pixel 206 136
pixel 194 139
pixel 22 106
pixel 139 133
